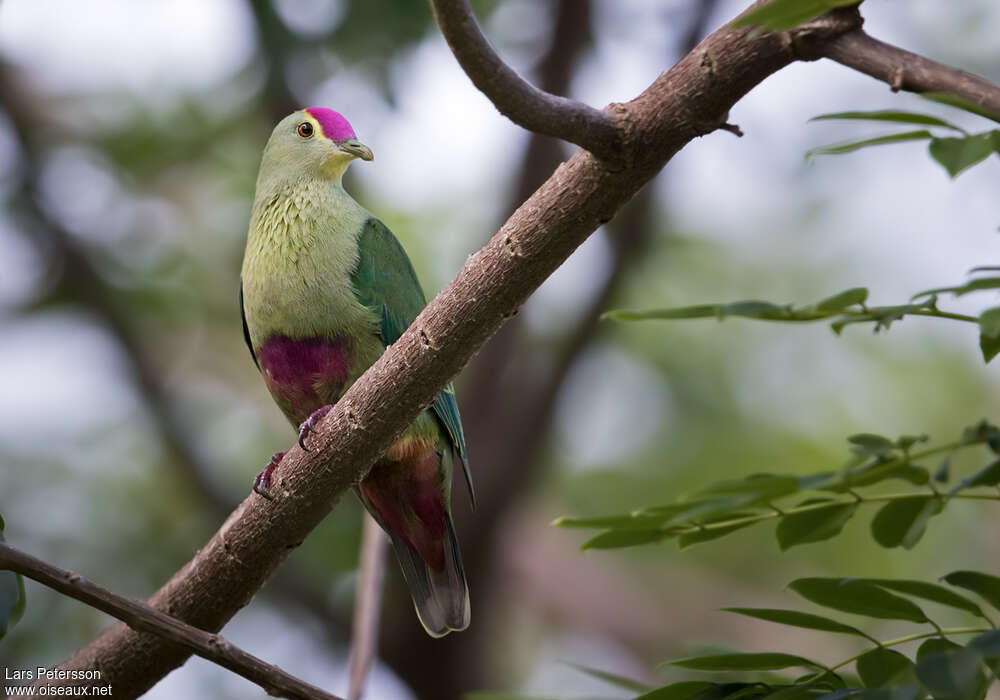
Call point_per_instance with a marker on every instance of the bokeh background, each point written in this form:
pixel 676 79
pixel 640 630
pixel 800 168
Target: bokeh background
pixel 132 419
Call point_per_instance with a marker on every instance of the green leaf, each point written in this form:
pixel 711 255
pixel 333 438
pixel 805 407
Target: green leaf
pixel 879 471
pixel 813 525
pixel 960 102
pixel 987 476
pixel 935 645
pixel 707 535
pixel 612 679
pixel 858 597
pixel 904 521
pixel 764 486
pixel 12 598
pixel 929 591
pixel 725 691
pixel 806 691
pixel 984 585
pixel 615 539
pixel 977 285
pixel 767 661
pixel 889 115
pixel 872 444
pixel 989 333
pixel 958 154
pixel 882 316
pixel 943 472
pixel 987 644
pixel 761 310
pixel 949 671
pixel 883 667
pixel 725 506
pixel 851 146
pixel 686 690
pixel 839 302
pixel 905 442
pixel 794 618
pixel 778 15
pixel 632 521
pixel 983 431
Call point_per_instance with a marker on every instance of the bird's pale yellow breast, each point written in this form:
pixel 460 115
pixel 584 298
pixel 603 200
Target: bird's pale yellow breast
pixel 302 248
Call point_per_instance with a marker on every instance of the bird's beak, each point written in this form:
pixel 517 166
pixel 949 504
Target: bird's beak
pixel 356 149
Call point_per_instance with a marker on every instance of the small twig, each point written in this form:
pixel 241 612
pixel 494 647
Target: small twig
pixel 139 616
pixel 903 70
pixel 367 603
pixel 694 526
pixel 912 638
pixel 518 100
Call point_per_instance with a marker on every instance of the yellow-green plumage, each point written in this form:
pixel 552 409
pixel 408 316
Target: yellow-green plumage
pixel 325 288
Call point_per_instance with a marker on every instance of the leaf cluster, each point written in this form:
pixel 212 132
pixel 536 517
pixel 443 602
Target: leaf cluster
pixel 847 308
pixel 941 668
pixel 951 146
pixel 816 507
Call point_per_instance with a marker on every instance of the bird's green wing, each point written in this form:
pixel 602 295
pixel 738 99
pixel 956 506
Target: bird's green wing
pixel 385 282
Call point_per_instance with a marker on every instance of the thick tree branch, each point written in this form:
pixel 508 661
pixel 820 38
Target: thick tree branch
pixel 690 100
pixel 497 392
pixel 522 103
pixel 140 616
pixel 904 70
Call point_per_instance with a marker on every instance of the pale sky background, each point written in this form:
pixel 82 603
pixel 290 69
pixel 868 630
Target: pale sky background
pixel 892 219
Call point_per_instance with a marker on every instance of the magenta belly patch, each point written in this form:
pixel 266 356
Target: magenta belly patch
pixel 305 374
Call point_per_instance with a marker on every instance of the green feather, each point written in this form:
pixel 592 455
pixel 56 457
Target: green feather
pixel 385 282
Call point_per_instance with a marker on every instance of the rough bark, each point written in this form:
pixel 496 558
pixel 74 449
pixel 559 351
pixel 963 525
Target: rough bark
pixel 508 401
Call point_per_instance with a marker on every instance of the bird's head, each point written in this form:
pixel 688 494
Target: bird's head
pixel 315 142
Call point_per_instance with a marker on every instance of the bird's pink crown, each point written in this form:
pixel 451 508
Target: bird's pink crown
pixel 335 127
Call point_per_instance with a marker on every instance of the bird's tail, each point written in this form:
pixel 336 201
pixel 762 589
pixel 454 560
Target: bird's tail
pixel 441 598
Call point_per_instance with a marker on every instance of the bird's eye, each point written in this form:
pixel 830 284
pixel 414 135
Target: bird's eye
pixel 305 130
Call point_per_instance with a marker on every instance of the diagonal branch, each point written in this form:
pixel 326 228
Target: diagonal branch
pixel 904 70
pixel 542 112
pixel 690 100
pixel 140 616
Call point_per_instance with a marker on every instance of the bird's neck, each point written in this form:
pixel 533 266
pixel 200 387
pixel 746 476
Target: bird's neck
pixel 296 216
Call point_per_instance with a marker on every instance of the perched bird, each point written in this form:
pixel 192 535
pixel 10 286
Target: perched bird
pixel 325 288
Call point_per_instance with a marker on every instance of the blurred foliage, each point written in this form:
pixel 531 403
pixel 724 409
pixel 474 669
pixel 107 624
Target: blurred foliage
pixel 838 308
pixel 778 15
pixel 955 153
pixel 941 668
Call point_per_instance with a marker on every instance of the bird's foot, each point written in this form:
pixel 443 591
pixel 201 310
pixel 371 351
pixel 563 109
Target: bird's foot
pixel 309 425
pixel 262 484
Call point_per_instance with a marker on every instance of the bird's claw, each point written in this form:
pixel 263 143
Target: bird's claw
pixel 262 483
pixel 309 425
